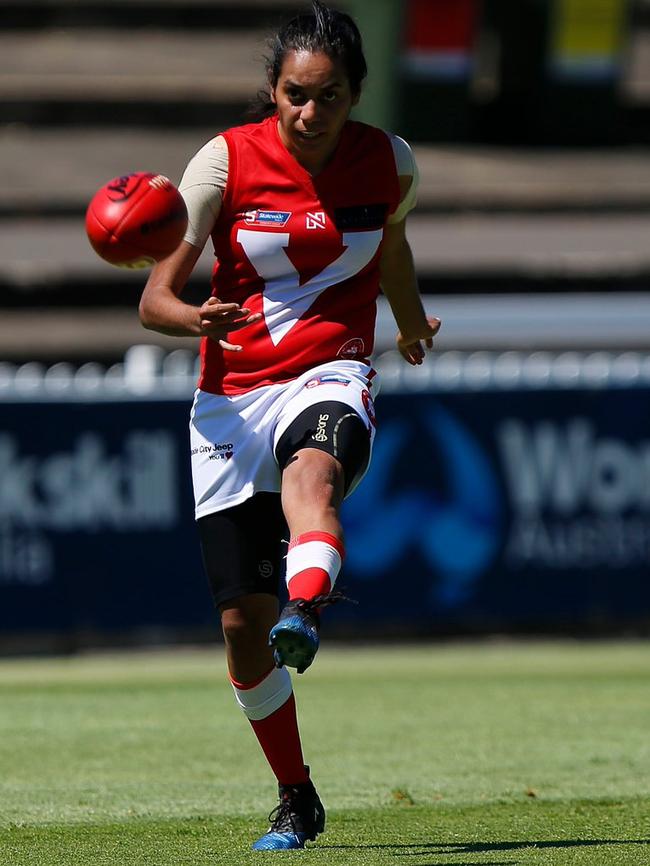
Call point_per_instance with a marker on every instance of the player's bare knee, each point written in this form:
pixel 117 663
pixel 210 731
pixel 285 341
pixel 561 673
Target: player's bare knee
pixel 245 625
pixel 241 631
pixel 313 474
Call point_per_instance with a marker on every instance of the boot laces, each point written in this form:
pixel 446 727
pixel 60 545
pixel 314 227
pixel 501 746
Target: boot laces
pixel 312 605
pixel 283 817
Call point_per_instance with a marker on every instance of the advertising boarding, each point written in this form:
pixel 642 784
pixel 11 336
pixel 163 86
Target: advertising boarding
pixel 482 511
pixel 506 510
pixel 96 529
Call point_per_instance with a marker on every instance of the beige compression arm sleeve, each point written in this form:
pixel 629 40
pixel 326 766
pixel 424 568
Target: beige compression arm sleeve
pixel 202 186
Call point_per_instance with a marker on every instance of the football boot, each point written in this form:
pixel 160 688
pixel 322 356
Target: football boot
pixel 299 817
pixel 294 637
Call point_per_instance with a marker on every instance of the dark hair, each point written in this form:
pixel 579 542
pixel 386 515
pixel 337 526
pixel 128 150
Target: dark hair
pixel 321 30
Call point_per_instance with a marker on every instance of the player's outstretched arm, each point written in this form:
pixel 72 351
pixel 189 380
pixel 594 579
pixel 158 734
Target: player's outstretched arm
pixel 162 310
pixel 400 287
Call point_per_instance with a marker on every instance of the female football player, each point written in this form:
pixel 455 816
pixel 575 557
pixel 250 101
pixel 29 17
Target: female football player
pixel 306 211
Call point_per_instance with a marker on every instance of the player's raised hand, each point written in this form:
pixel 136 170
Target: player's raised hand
pixel 218 320
pixel 410 345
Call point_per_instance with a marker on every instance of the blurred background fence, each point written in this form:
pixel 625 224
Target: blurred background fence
pixel 510 488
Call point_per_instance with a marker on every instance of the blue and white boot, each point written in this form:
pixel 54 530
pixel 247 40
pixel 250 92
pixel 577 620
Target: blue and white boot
pixel 299 817
pixel 294 637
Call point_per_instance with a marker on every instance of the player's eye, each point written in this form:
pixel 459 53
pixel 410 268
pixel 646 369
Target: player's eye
pixel 296 97
pixel 330 96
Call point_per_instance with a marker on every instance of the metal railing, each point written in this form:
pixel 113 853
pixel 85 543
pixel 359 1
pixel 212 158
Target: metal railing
pixel 150 373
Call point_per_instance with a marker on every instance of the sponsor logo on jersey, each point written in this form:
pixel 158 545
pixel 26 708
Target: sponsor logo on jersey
pixel 321 435
pixel 352 348
pixel 277 218
pixel 328 379
pixel 315 220
pixel 367 216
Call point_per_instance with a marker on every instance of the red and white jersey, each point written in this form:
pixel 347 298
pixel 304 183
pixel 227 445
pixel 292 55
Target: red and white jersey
pixel 304 251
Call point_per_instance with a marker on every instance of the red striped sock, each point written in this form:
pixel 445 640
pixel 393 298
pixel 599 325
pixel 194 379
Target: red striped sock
pixel 313 562
pixel 270 706
pixel 279 738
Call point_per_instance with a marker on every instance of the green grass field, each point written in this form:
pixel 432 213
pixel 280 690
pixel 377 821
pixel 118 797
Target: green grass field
pixel 453 755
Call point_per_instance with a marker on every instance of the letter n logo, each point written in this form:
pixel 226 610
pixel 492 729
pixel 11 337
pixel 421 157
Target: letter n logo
pixel 315 220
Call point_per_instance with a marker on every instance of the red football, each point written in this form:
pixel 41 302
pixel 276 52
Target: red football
pixel 135 220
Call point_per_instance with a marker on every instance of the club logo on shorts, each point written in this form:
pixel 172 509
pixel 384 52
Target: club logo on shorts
pixel 277 218
pixel 320 435
pixel 369 406
pixel 352 349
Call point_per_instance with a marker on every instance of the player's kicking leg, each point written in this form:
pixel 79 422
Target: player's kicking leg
pixel 321 453
pixel 312 493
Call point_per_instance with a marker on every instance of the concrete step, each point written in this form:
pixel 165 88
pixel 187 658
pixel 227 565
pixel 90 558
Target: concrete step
pixel 56 172
pixel 96 63
pixel 195 14
pixel 66 73
pixel 112 76
pixel 35 254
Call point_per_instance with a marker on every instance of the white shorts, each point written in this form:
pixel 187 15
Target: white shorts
pixel 233 437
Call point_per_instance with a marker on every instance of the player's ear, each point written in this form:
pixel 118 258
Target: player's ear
pixel 272 94
pixel 356 97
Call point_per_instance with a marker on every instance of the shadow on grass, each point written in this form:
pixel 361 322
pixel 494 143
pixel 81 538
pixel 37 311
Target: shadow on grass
pixel 418 849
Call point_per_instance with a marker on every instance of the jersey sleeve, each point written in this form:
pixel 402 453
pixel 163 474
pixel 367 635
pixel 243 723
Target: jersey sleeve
pixel 202 187
pixel 406 167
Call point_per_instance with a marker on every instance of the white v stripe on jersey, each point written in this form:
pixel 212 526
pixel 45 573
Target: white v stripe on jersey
pixel 285 300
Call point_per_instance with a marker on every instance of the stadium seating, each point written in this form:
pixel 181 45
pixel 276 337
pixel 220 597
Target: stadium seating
pixel 91 90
